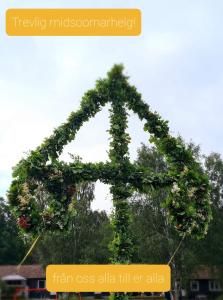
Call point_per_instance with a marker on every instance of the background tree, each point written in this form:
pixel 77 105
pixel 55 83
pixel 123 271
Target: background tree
pixel 12 248
pixel 210 250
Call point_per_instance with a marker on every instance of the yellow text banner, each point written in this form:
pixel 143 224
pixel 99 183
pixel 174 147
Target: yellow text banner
pixel 73 22
pixel 108 278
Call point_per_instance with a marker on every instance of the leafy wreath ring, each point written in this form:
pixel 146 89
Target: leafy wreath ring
pixel 42 193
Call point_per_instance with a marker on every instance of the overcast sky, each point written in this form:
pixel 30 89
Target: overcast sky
pixel 176 63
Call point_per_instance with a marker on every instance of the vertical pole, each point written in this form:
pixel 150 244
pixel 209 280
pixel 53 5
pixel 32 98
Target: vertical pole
pixel 121 246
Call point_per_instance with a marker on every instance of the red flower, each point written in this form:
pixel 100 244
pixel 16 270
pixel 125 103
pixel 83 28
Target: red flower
pixel 22 222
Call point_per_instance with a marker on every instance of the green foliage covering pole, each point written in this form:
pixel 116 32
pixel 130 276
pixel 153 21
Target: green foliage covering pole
pixel 42 193
pixel 122 244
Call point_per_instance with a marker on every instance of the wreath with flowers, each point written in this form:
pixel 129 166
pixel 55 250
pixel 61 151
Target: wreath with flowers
pixel 44 188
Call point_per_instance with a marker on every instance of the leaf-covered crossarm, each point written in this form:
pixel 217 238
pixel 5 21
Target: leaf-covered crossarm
pixel 42 193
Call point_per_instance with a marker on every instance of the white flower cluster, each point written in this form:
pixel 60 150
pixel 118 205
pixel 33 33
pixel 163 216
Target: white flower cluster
pixel 175 189
pixel 191 192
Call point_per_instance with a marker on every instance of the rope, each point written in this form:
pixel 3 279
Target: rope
pixel 29 251
pixel 36 240
pixel 177 249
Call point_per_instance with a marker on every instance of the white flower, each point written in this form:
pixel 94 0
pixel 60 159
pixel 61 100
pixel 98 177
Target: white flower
pixel 185 170
pixel 24 200
pixel 191 192
pixel 175 188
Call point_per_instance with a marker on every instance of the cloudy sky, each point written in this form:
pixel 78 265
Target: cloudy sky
pixel 176 63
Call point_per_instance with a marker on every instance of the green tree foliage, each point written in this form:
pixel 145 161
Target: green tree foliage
pixel 210 250
pixel 214 169
pixel 12 247
pixel 150 222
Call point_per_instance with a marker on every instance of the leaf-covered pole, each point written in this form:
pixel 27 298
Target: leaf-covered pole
pixel 122 244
